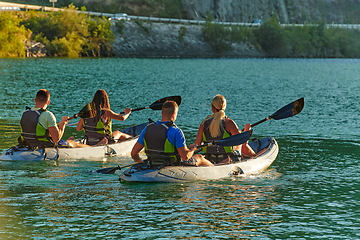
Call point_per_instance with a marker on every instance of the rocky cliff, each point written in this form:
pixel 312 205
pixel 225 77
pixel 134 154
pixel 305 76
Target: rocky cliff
pixel 160 40
pixel 287 11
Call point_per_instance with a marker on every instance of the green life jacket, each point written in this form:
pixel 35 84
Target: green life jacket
pixel 214 149
pixel 33 133
pixel 96 131
pixel 160 151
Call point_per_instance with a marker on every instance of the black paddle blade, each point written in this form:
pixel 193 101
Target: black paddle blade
pixel 235 140
pixel 108 170
pixel 158 104
pixel 85 112
pixel 289 110
pixel 113 169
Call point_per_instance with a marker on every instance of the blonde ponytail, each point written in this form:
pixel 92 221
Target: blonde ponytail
pixel 216 127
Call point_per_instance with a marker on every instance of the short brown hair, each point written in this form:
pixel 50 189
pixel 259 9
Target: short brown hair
pixel 169 107
pixel 43 95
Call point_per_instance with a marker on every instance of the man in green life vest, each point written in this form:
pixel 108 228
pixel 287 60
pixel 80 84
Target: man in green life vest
pixel 165 143
pixel 38 126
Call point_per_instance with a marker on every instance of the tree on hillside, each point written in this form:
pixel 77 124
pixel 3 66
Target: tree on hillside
pixel 69 33
pixel 272 38
pixel 12 35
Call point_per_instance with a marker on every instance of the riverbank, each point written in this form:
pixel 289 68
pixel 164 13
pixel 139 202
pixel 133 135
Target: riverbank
pixel 160 40
pixel 141 39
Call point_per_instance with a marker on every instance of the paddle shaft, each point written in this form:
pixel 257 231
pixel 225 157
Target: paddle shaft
pixel 289 110
pixel 233 140
pixel 113 169
pixel 75 116
pixel 261 121
pixel 157 105
pixel 137 109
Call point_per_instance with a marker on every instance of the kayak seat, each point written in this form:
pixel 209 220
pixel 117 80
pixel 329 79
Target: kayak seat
pixel 259 144
pixel 216 158
pixel 135 130
pixel 160 161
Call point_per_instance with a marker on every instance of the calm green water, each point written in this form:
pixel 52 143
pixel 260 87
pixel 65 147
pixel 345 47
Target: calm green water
pixel 312 191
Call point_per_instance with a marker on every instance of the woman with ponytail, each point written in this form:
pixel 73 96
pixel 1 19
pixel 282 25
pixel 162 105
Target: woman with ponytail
pixel 98 127
pixel 218 126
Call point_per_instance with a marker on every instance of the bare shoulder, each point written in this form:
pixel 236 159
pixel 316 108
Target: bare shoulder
pixel 229 121
pixel 231 126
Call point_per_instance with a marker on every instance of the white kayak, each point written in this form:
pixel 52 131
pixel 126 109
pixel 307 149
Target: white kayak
pixel 266 148
pixel 18 153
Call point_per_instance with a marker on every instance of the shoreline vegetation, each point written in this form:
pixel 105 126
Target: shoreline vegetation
pixel 71 34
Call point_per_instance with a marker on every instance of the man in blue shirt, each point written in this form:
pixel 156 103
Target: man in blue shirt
pixel 164 138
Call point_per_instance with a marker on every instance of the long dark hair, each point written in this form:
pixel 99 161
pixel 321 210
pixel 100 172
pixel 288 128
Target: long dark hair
pixel 100 102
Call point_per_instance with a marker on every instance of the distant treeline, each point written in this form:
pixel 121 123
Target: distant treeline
pixel 64 33
pixel 290 42
pixel 71 34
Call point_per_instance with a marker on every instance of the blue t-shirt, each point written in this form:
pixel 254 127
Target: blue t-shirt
pixel 174 134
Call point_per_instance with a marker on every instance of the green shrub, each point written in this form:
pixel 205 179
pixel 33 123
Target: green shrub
pixel 319 41
pixel 69 46
pixel 72 34
pixel 217 36
pixel 172 9
pixel 120 25
pixel 299 39
pixel 346 41
pixel 273 38
pixel 145 28
pixel 12 35
pixel 182 33
pixel 100 39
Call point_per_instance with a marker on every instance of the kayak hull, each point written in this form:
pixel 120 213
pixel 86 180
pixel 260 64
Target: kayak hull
pixel 266 156
pixel 121 148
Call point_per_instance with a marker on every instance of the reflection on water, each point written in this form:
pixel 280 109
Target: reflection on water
pixel 59 198
pixel 9 132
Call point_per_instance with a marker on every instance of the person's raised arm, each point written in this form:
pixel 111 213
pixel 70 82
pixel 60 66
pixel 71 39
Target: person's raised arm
pixel 117 116
pixel 55 132
pixel 80 125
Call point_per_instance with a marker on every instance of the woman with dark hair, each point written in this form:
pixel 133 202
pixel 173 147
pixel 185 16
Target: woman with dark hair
pixel 219 126
pixel 98 127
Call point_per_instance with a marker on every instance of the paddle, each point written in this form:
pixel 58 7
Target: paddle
pixel 84 112
pixel 288 111
pixel 113 169
pixel 229 141
pixel 233 140
pixel 157 105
